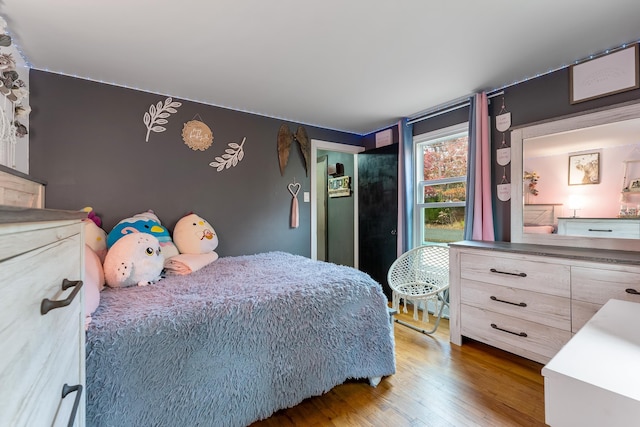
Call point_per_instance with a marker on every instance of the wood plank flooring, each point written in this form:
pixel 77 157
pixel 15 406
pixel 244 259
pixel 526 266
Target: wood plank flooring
pixel 436 384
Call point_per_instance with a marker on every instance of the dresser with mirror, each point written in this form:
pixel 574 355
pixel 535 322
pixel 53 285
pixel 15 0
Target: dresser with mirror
pixel 530 296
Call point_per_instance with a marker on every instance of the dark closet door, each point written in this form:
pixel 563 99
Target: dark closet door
pixel 378 212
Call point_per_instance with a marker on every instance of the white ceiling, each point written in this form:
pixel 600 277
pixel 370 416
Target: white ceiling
pixel 626 132
pixel 352 65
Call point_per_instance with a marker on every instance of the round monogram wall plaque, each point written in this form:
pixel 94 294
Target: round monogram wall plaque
pixel 197 135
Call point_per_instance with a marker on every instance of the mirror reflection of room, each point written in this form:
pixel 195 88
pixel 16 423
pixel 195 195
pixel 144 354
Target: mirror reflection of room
pixel 586 174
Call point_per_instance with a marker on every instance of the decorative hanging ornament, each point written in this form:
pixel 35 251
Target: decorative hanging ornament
pixel 503 119
pixel 285 139
pixel 197 135
pixel 503 122
pixel 294 188
pixel 503 154
pixel 504 188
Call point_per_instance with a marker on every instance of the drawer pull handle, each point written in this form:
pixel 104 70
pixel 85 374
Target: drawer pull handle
pixel 520 334
pixel 66 389
pixel 632 291
pixel 493 270
pixel 519 304
pixel 603 231
pixel 48 305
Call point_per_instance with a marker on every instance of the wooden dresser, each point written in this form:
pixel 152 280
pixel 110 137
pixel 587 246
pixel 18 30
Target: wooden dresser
pixel 41 317
pixel 531 299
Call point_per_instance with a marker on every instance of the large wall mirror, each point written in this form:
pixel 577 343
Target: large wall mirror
pixel 576 180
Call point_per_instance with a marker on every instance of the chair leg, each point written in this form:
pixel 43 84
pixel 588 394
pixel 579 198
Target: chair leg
pixel 435 327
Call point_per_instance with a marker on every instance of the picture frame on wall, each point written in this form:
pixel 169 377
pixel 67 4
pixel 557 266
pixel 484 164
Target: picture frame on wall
pixel 340 186
pixel 634 186
pixel 584 168
pixel 613 73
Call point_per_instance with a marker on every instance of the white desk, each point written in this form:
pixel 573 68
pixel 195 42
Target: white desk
pixel 594 380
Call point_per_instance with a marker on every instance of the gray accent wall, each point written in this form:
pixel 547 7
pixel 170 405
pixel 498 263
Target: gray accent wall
pixel 87 141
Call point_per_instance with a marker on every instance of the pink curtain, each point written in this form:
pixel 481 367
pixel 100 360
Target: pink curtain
pixel 482 203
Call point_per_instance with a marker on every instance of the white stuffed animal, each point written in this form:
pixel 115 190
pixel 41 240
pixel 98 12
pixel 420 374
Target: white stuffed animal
pixel 96 238
pixel 135 259
pixel 194 235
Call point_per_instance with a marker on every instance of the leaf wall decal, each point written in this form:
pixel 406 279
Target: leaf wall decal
pixel 231 157
pixel 158 114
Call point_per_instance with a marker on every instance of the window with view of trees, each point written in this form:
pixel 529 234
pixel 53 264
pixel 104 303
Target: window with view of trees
pixel 441 165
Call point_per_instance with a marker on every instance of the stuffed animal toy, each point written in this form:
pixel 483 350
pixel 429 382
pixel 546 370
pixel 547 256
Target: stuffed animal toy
pixel 145 222
pixel 93 282
pixel 135 259
pixel 91 214
pixel 94 236
pixel 194 235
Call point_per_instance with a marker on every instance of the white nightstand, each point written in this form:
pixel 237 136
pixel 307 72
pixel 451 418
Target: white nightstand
pixel 594 380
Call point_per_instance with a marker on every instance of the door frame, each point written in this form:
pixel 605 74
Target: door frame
pixel 316 145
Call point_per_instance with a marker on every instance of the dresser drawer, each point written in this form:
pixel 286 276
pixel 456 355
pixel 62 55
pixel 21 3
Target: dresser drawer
pixel 21 192
pixel 536 307
pixel 629 229
pixel 26 237
pixel 533 273
pixel 581 313
pixel 529 339
pixel 599 285
pixel 591 288
pixel 40 352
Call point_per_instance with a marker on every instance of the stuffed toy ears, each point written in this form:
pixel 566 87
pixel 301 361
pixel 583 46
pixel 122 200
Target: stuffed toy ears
pixel 194 235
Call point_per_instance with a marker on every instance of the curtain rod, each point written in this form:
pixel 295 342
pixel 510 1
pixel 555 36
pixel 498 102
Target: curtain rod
pixel 451 107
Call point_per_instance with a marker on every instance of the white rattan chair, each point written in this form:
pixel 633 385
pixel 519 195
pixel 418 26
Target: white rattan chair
pixel 421 275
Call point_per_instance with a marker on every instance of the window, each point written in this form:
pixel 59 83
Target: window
pixel 441 175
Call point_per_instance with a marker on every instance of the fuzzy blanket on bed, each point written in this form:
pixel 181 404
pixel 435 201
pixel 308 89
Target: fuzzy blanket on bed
pixel 233 342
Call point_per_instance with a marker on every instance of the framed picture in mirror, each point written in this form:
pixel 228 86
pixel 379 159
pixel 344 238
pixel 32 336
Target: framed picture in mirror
pixel 584 168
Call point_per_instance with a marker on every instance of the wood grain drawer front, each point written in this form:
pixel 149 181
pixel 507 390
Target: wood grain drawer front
pixel 533 273
pixel 600 228
pixel 596 285
pixel 20 192
pixel 528 339
pixel 546 309
pixel 581 313
pixel 22 240
pixel 40 352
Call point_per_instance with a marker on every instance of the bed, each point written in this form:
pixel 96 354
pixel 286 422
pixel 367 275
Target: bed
pixel 541 218
pixel 233 342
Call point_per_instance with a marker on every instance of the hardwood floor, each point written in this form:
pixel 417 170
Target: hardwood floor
pixel 436 384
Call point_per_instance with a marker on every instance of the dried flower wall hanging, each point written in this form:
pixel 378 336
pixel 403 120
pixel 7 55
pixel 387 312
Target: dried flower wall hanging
pixel 158 115
pixel 231 157
pixel 533 178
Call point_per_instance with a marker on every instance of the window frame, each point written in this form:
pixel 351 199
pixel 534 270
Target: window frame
pixel 418 163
